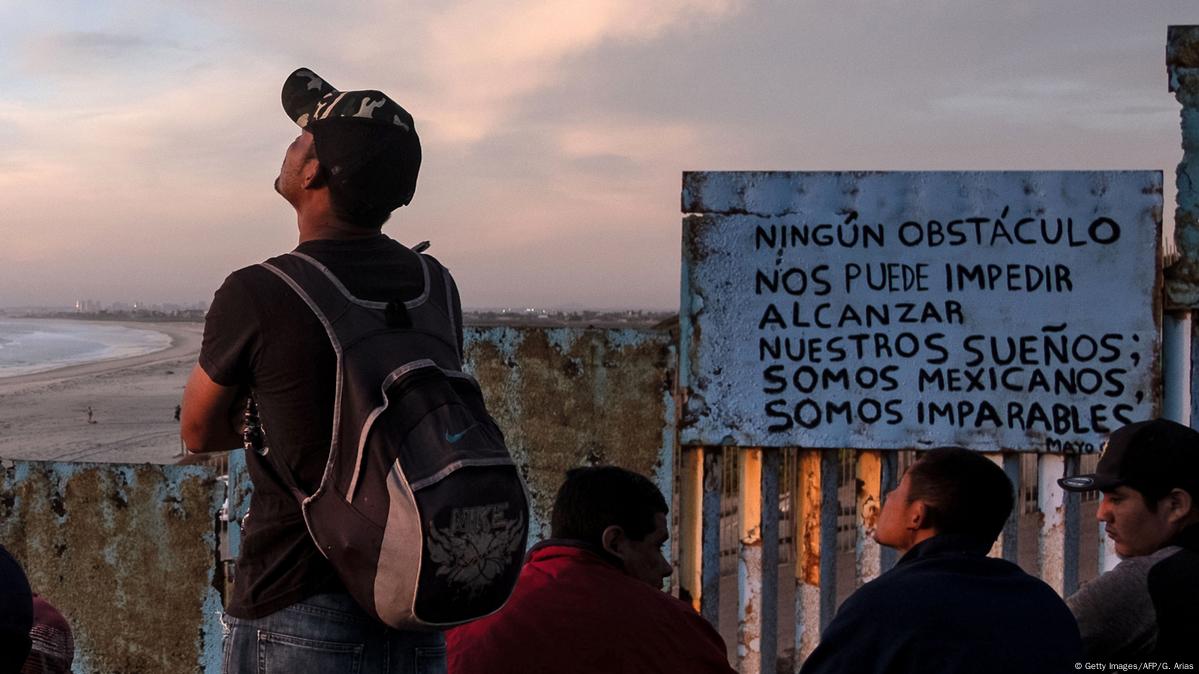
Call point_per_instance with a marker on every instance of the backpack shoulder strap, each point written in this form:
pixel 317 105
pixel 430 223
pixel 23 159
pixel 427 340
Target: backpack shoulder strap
pixel 436 311
pixel 344 316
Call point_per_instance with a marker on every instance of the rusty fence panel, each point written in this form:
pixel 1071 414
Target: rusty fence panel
pixel 127 554
pixel 1053 531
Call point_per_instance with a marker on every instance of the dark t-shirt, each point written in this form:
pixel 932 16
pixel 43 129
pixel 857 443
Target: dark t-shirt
pixel 259 335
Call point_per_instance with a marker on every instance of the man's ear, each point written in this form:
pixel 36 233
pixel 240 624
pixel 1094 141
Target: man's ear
pixel 314 174
pixel 916 515
pixel 613 539
pixel 1178 504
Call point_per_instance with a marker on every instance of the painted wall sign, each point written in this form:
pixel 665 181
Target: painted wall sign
pixel 1014 310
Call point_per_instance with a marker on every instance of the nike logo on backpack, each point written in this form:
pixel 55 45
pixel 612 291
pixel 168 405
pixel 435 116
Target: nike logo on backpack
pixel 455 437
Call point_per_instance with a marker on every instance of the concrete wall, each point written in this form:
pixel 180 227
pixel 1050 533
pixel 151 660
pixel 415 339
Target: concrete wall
pixel 571 397
pixel 126 553
pixel 129 553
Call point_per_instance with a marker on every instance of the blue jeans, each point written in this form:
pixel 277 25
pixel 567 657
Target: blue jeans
pixel 328 633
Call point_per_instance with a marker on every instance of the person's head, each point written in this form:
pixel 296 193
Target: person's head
pixel 53 645
pixel 619 511
pixel 1149 476
pixel 16 614
pixel 949 490
pixel 360 146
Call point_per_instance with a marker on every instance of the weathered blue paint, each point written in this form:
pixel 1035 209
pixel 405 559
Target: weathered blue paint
pixel 238 503
pixel 1182 66
pixel 664 474
pixel 766 356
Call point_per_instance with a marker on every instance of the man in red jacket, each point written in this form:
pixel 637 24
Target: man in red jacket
pixel 590 598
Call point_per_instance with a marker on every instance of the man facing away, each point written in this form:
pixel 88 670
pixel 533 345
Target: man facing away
pixel 355 160
pixel 590 599
pixel 946 606
pixel 1147 608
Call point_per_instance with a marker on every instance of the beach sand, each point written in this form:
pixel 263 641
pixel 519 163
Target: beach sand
pixel 43 416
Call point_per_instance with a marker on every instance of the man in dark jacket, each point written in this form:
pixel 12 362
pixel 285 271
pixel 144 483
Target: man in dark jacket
pixel 947 606
pixel 1145 608
pixel 590 600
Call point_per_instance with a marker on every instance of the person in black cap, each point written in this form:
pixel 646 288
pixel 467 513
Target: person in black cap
pixel 1147 608
pixel 355 160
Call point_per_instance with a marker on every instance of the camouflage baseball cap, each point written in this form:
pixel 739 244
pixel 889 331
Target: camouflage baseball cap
pixel 365 140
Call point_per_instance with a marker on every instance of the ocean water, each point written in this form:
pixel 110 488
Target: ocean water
pixel 35 345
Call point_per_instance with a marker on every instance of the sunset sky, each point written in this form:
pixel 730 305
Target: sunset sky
pixel 139 140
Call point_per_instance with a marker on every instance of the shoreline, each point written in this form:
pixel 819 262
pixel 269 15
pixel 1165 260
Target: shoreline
pixel 116 410
pixel 184 339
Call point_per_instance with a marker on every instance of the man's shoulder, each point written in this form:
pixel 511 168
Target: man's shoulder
pixel 1127 582
pixel 928 581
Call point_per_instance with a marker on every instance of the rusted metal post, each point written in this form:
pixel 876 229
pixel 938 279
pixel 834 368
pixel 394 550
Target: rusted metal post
pixel 1011 529
pixel 808 485
pixel 691 540
pixel 770 560
pixel 1176 366
pixel 757 593
pixel 890 479
pixel 830 506
pixel 1058 550
pixel 710 560
pixel 869 491
pixel 749 562
pixel 997 546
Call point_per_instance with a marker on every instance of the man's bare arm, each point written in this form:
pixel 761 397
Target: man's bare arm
pixel 210 421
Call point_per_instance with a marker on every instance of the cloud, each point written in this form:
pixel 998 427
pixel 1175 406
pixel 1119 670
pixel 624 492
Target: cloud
pixel 554 131
pixel 1065 102
pixel 84 54
pixel 490 54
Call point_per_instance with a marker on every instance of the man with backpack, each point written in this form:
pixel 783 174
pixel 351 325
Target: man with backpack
pixel 279 330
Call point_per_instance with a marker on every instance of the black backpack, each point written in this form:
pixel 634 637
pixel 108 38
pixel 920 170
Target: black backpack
pixel 421 509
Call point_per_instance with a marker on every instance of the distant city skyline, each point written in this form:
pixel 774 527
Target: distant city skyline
pixel 139 140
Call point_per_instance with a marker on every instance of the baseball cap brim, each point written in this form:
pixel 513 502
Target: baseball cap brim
pixel 1091 482
pixel 302 90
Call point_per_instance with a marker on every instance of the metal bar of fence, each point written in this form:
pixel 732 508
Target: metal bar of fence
pixel 690 535
pixel 710 563
pixel 815 539
pixel 770 559
pixel 867 560
pixel 1011 530
pixel 830 474
pixel 1070 552
pixel 890 479
pixel 808 487
pixel 1176 366
pixel 1051 502
pixel 757 567
pixel 749 562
